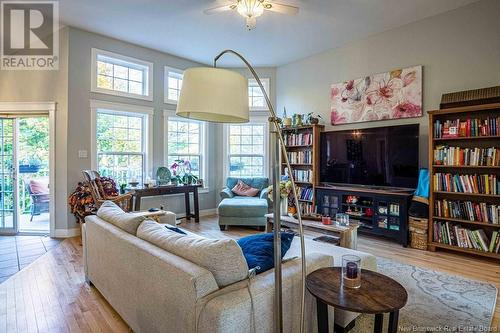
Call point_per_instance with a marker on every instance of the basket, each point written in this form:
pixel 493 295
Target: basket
pixel 418 233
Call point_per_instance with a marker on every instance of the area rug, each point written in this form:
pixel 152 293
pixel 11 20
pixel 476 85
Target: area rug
pixel 437 302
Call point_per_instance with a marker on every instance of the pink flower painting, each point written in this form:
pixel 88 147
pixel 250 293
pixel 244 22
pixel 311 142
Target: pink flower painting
pixel 391 95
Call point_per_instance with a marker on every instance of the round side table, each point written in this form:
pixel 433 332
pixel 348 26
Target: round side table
pixel 377 295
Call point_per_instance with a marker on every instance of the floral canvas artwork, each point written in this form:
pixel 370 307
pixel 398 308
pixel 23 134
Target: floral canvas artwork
pixel 391 95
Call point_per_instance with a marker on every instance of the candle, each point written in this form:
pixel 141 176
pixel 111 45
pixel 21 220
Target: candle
pixel 351 270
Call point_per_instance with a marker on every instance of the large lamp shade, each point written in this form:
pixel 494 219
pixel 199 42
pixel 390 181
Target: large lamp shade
pixel 214 94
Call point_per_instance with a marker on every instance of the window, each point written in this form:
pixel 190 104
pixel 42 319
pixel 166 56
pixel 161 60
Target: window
pixel 256 99
pixel 185 141
pixel 173 84
pixel 247 146
pixel 119 75
pixel 121 141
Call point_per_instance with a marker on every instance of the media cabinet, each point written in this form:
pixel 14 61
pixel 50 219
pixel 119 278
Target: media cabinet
pixel 379 211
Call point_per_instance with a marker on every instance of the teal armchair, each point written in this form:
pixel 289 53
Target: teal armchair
pixel 241 210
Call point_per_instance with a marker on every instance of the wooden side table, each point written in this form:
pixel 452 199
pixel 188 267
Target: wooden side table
pixel 377 295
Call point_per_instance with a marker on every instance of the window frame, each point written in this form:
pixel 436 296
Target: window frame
pixel 146 113
pixel 167 70
pixel 140 63
pixel 254 120
pixel 267 84
pixel 203 146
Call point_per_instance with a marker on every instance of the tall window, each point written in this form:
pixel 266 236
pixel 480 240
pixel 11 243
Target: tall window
pixel 247 146
pixel 256 99
pixel 120 143
pixel 185 142
pixel 119 75
pixel 173 84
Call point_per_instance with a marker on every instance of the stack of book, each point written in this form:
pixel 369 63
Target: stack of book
pixel 453 234
pixel 300 157
pixel 467 127
pixel 457 156
pixel 300 139
pixel 476 184
pixel 306 193
pixel 467 210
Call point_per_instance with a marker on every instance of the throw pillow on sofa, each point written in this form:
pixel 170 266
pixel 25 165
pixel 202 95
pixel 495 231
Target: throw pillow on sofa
pixel 244 190
pixel 259 250
pixel 112 213
pixel 222 257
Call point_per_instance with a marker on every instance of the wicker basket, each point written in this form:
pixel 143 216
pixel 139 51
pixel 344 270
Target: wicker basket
pixel 418 233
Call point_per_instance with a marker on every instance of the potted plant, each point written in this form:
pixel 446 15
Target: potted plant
pixel 31 165
pixel 287 121
pixel 313 120
pixel 182 173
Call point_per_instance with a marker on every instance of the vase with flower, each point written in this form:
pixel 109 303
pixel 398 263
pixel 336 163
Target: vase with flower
pixel 285 191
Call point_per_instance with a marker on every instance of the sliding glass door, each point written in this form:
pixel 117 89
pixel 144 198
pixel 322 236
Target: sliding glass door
pixel 8 174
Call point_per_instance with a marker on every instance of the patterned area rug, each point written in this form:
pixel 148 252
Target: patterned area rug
pixel 437 302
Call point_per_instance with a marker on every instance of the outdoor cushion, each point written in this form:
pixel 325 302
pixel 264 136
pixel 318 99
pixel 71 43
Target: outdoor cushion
pixel 222 257
pixel 244 207
pixel 112 213
pixel 39 186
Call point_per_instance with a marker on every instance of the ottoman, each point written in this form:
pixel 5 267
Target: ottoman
pixel 243 211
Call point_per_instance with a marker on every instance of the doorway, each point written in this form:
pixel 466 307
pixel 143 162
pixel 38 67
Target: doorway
pixel 26 186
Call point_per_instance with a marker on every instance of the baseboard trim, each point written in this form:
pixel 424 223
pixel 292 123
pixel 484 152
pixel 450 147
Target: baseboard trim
pixel 203 212
pixel 66 233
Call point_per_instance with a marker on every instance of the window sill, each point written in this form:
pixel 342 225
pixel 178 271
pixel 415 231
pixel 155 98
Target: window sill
pixel 121 94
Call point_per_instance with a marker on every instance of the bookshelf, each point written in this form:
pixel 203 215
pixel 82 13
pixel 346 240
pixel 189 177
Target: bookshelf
pixel 464 165
pixel 302 144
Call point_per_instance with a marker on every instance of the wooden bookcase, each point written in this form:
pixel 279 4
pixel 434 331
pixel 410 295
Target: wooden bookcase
pixel 312 164
pixel 487 141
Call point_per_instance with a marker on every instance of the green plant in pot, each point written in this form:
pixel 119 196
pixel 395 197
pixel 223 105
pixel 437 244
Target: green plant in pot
pixel 312 119
pixel 182 173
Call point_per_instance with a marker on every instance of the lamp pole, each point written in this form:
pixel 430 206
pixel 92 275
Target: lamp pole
pixel 278 146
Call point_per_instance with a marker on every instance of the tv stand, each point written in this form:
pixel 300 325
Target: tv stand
pixel 381 211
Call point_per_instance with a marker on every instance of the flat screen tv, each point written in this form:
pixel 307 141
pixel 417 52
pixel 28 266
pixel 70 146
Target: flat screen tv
pixel 381 156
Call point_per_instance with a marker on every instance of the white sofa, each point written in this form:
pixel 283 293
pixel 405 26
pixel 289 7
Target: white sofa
pixel 154 290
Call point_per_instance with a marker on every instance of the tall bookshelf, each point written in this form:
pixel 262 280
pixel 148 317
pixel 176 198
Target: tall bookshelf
pixel 470 202
pixel 302 143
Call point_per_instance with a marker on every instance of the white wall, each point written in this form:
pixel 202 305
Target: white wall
pixel 459 50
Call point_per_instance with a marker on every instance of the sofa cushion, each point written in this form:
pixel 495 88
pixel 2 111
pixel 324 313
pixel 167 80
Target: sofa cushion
pixel 247 207
pixel 222 257
pixel 245 190
pixel 256 182
pixel 259 249
pixel 112 213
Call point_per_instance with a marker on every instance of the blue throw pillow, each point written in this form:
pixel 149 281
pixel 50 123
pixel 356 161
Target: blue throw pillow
pixel 259 250
pixel 175 229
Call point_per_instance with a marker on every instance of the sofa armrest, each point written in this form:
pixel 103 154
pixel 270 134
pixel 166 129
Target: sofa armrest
pixel 226 193
pixel 251 301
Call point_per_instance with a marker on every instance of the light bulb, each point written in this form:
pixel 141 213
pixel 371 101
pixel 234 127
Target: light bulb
pixel 250 8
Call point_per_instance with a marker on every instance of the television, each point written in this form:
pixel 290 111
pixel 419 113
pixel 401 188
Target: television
pixel 381 156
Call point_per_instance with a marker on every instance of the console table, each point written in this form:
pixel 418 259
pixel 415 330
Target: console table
pixel 141 192
pixel 377 295
pixel 348 236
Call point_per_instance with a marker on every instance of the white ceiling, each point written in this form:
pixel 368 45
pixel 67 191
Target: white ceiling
pixel 181 28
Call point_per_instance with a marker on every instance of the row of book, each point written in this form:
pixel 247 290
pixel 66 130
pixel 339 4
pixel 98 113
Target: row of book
pixel 306 193
pixel 445 155
pixel 306 208
pixel 467 128
pixel 301 175
pixel 300 139
pixel 477 184
pixel 300 157
pixel 468 210
pixel 453 234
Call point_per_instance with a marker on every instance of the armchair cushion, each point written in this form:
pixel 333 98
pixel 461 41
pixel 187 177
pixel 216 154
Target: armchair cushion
pixel 256 182
pixel 245 190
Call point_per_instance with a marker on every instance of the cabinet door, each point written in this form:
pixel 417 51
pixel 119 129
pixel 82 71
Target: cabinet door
pixel 328 203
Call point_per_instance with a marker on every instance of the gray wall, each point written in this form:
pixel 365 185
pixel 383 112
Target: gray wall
pixel 459 50
pixel 47 86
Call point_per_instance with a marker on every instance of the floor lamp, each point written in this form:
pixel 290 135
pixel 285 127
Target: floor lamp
pixel 221 95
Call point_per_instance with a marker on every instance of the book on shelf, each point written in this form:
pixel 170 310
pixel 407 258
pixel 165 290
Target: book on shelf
pixel 301 175
pixel 298 139
pixel 306 208
pixel 455 235
pixel 458 156
pixel 300 157
pixel 306 193
pixel 467 211
pixel 474 184
pixel 471 127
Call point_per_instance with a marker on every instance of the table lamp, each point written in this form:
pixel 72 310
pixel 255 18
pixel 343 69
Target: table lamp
pixel 221 95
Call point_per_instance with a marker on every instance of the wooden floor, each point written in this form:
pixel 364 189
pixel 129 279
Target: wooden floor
pixel 50 295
